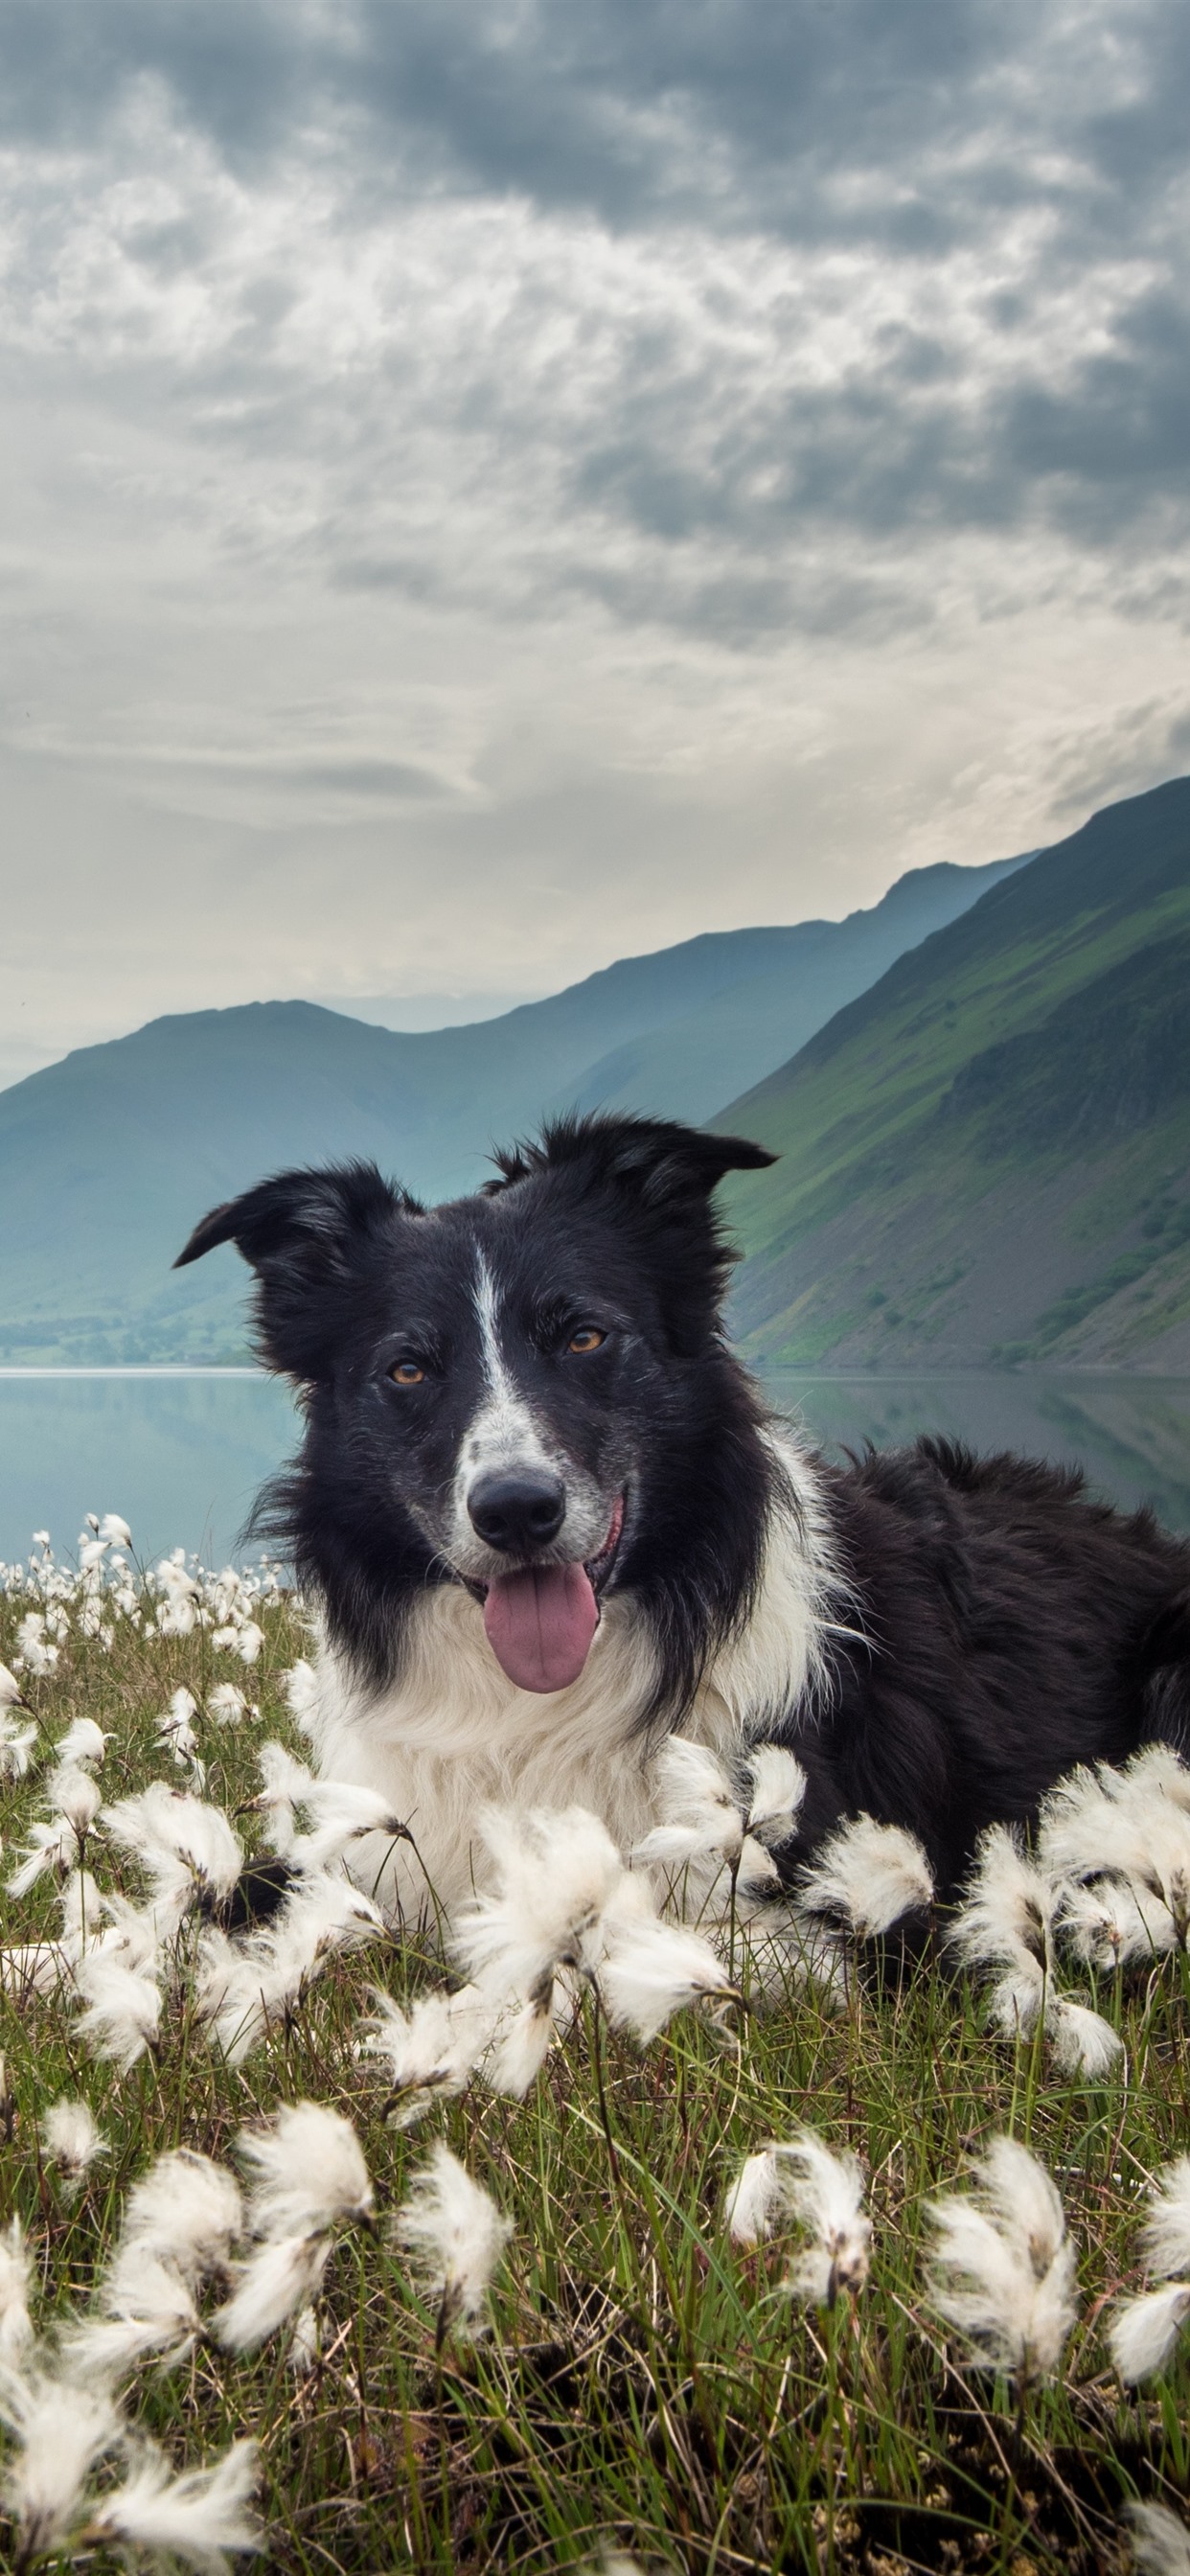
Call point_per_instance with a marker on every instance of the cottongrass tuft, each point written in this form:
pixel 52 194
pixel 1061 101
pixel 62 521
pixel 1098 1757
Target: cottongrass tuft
pixel 702 1817
pixel 1107 1923
pixel 755 2202
pixel 431 2050
pixel 556 1871
pixel 145 2306
pixel 278 2282
pixel 61 2431
pixel 1007 1916
pixel 777 1789
pixel 1127 1824
pixel 16 2272
pixel 652 1969
pixel 189 1850
pixel 454 2235
pixel 824 2192
pixel 308 2171
pixel 198 2516
pixel 867 1877
pixel 82 1743
pixel 187 2209
pixel 1144 2330
pixel 1003 2268
pixel 1167 2227
pixel 1160 2541
pixel 71 2140
pixel 123 2010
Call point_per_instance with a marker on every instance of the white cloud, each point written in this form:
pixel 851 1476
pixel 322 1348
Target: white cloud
pixel 481 503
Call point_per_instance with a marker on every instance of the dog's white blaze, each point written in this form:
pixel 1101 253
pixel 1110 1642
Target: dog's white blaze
pixel 503 1430
pixel 454 1733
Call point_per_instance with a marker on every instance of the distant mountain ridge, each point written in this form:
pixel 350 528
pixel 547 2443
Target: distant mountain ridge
pixel 986 1155
pixel 107 1158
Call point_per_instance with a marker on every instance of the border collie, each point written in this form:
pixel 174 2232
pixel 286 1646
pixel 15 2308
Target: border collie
pixel 547 1519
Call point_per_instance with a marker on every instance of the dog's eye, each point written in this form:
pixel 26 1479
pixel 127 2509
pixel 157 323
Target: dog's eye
pixel 587 1338
pixel 406 1373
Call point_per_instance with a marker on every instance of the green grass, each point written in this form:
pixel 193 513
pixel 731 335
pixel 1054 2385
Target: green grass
pixel 645 2385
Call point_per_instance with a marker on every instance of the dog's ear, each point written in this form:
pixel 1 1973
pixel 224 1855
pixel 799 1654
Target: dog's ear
pixel 653 1158
pixel 657 1179
pixel 667 1165
pixel 299 1232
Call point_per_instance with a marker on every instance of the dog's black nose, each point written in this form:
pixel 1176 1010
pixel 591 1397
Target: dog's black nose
pixel 517 1508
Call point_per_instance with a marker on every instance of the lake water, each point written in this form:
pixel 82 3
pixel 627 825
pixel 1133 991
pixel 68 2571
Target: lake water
pixel 181 1452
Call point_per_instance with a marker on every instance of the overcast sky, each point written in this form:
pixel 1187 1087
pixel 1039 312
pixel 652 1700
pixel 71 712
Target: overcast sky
pixel 494 485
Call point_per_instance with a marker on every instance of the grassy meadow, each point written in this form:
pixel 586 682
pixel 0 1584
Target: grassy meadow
pixel 646 2386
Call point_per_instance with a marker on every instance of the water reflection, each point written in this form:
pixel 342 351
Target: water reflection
pixel 1131 1434
pixel 182 1453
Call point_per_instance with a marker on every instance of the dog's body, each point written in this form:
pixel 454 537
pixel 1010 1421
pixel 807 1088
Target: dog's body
pixel 547 1522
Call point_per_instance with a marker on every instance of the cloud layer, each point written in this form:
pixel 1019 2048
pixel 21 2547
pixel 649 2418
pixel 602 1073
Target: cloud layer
pixel 493 489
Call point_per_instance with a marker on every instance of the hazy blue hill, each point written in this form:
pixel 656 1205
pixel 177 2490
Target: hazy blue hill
pixel 107 1158
pixel 987 1154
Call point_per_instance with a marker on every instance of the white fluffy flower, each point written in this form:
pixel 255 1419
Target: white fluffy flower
pixel 1007 1917
pixel 226 1704
pixel 16 1743
pixel 123 2012
pixel 339 1810
pixel 454 2234
pixel 556 1871
pixel 248 1641
pixel 776 1793
pixel 308 2171
pixel 1003 2268
pixel 244 1990
pixel 277 2282
pixel 16 2329
pixel 755 2201
pixel 74 1794
pixel 189 1849
pixel 701 1814
pixel 61 2431
pixel 196 2517
pixel 146 2307
pixel 1107 1922
pixel 53 1846
pixel 867 1876
pixel 1083 2042
pixel 1122 1823
pixel 10 1688
pixel 432 2049
pixel 84 1742
pixel 1167 2227
pixel 113 1531
pixel 651 1969
pixel 825 2192
pixel 34 1652
pixel 187 2209
pixel 70 2138
pixel 1144 2330
pixel 1160 2542
pixel 523 2037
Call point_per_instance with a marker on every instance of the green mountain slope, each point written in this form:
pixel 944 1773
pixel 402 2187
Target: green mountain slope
pixel 107 1158
pixel 986 1157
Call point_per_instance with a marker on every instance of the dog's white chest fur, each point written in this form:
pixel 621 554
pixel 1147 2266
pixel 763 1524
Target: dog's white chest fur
pixel 454 1734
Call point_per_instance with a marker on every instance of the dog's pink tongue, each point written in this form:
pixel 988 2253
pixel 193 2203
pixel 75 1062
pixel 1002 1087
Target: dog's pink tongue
pixel 540 1623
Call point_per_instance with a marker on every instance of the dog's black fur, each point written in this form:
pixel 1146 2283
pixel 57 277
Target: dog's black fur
pixel 987 1624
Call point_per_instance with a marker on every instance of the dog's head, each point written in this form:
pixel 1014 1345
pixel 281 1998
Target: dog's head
pixel 507 1391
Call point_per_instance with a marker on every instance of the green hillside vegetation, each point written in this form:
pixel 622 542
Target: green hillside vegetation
pixel 986 1158
pixel 107 1158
